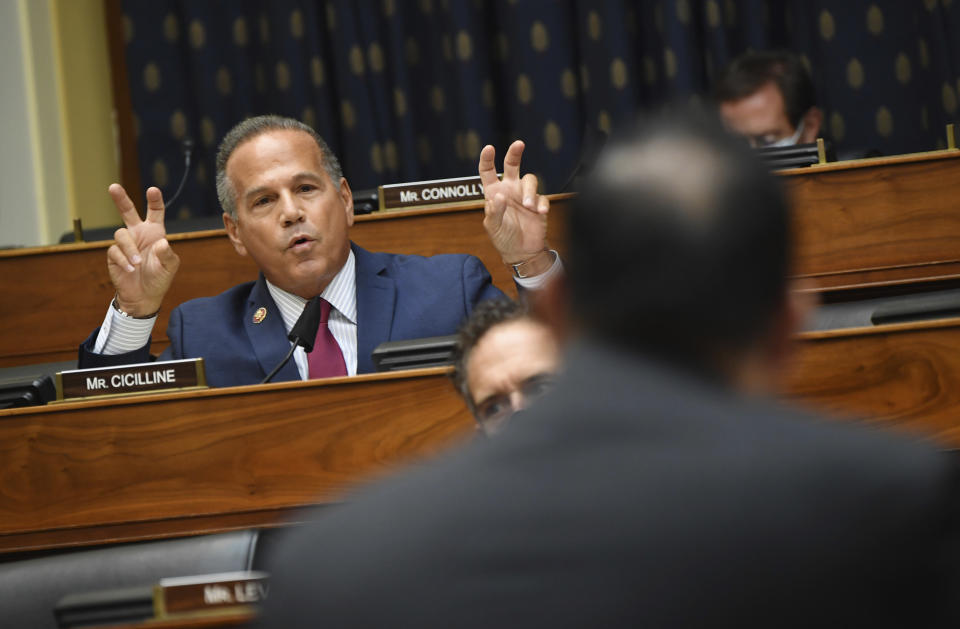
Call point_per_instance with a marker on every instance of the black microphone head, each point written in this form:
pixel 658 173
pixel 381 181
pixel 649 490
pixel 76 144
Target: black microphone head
pixel 188 145
pixel 304 331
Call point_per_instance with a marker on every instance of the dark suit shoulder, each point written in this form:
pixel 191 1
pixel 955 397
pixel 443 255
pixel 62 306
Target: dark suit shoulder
pixel 440 264
pixel 232 300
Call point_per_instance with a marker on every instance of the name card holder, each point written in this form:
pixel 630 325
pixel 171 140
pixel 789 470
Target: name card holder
pixel 124 380
pixel 424 194
pixel 209 594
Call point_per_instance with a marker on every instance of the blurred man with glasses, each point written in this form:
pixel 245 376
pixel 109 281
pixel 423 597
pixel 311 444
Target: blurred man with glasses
pixel 505 360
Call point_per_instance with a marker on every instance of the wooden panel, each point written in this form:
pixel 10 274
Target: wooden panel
pixel 184 463
pixel 129 157
pixel 919 274
pixel 877 214
pixel 905 376
pixel 54 296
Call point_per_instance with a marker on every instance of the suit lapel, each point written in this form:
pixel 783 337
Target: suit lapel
pixel 376 296
pixel 269 337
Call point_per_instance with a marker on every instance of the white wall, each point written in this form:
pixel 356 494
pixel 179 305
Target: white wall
pixel 20 221
pixel 34 207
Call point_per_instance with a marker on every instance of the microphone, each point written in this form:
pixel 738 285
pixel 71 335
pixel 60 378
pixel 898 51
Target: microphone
pixel 303 334
pixel 187 153
pixel 304 331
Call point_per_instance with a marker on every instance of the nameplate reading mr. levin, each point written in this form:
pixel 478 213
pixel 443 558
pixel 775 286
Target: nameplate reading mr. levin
pixel 126 379
pixel 178 595
pixel 419 194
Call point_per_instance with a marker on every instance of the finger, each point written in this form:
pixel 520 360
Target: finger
pixel 121 199
pixel 127 246
pixel 487 167
pixel 115 256
pixel 528 188
pixel 511 161
pixel 493 212
pixel 155 205
pixel 543 204
pixel 166 256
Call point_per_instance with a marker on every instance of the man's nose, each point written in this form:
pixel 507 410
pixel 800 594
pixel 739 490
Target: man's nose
pixel 517 401
pixel 290 209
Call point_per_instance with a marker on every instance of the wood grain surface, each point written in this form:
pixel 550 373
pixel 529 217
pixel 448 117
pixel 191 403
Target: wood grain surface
pixel 197 462
pixel 877 215
pixel 170 464
pixel 902 376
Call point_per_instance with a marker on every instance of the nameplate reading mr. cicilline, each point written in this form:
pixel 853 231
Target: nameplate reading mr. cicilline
pixel 421 194
pixel 128 379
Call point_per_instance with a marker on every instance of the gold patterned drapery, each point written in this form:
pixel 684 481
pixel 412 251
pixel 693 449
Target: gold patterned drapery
pixel 410 90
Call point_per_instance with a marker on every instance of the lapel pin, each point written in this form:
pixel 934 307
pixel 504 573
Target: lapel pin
pixel 260 314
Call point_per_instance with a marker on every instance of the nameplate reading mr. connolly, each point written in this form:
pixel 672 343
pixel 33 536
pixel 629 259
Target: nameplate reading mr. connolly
pixel 421 194
pixel 126 379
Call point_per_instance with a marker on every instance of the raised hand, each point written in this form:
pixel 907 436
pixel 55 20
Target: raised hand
pixel 141 262
pixel 515 216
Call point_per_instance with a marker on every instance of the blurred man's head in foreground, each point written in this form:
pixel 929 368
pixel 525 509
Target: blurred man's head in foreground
pixel 678 249
pixel 769 98
pixel 505 360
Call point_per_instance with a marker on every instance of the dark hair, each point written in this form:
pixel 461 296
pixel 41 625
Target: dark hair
pixel 485 316
pixel 750 71
pixel 678 243
pixel 251 128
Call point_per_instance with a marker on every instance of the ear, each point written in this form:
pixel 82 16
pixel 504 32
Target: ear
pixel 233 233
pixel 346 195
pixel 798 304
pixel 765 366
pixel 812 124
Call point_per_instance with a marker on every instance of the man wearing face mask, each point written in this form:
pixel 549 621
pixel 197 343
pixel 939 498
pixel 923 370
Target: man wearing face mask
pixel 768 98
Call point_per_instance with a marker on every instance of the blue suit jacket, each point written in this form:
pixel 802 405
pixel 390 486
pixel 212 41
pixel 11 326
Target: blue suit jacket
pixel 398 297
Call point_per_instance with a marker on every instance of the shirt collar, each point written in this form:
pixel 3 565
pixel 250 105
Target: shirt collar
pixel 341 292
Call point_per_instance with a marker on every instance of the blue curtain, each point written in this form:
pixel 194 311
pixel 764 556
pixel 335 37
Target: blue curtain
pixel 411 90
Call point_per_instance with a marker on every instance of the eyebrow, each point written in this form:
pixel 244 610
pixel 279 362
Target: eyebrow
pixel 490 398
pixel 543 376
pixel 301 176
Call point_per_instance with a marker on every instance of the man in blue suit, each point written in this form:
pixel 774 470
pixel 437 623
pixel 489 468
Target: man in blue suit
pixel 287 206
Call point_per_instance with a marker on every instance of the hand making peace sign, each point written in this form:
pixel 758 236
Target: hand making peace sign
pixel 141 262
pixel 515 216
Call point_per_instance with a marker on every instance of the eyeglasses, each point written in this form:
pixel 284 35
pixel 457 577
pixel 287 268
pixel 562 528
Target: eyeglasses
pixel 494 410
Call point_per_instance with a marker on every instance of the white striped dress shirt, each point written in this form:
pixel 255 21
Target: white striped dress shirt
pixel 342 295
pixel 120 334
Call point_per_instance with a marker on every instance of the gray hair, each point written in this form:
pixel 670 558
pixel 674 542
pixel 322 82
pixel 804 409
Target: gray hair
pixel 251 128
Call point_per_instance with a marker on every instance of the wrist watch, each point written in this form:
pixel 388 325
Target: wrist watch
pixel 116 307
pixel 524 270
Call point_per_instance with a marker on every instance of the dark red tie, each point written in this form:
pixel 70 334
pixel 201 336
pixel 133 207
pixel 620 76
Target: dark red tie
pixel 326 359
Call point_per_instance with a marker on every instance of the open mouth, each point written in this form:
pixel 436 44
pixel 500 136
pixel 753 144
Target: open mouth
pixel 299 242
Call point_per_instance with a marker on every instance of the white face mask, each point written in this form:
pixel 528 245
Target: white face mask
pixel 790 141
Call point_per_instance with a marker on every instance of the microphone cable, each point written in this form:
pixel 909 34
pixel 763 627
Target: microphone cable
pixel 283 362
pixel 187 153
